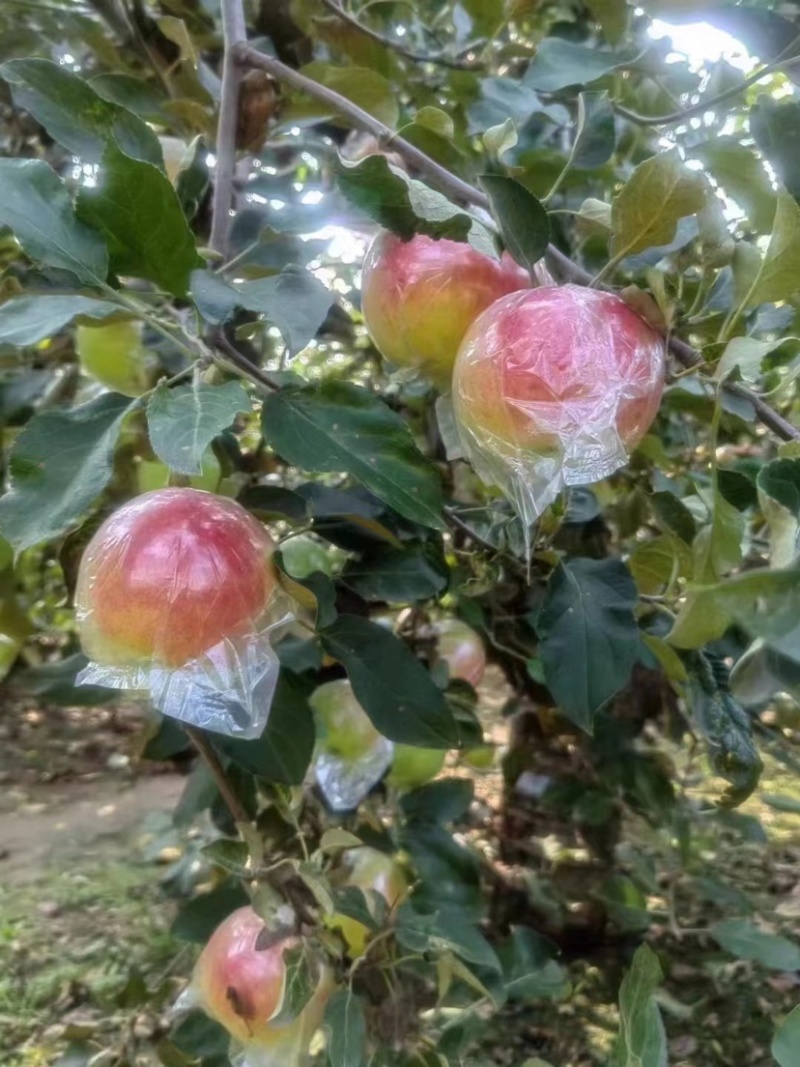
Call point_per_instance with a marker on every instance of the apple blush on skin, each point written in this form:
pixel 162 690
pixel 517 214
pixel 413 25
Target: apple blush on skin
pixel 419 297
pixel 240 981
pixel 170 575
pixel 553 387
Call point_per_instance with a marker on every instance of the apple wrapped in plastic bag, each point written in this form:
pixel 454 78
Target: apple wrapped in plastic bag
pixel 352 756
pixel 240 980
pixel 553 387
pixel 177 596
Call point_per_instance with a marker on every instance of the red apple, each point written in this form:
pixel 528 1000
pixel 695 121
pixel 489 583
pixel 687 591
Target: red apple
pixel 419 297
pixel 556 385
pixel 170 575
pixel 462 650
pixel 242 986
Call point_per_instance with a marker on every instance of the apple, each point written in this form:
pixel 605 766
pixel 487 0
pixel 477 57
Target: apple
pixel 556 385
pixel 413 767
pixel 371 871
pixel 169 575
pixel 419 297
pixel 242 986
pixel 153 474
pixel 345 729
pixel 462 650
pixel 303 555
pixel 112 353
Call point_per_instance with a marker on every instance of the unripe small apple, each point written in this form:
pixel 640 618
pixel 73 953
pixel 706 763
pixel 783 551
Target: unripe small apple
pixel 170 575
pixel 556 384
pixel 413 767
pixel 419 297
pixel 346 730
pixel 112 353
pixel 462 650
pixel 152 474
pixel 371 871
pixel 242 985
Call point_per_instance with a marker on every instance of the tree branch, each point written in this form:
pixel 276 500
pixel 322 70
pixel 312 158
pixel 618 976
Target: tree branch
pixel 709 105
pixel 395 46
pixel 461 191
pixel 234 30
pixel 217 771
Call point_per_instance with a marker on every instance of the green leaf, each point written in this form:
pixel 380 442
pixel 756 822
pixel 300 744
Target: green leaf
pixel 717 547
pixel 183 421
pixel 26 320
pixel 337 426
pixel 529 970
pixel 745 354
pixel 775 126
pixel 415 572
pixel 136 208
pixel 743 177
pixel 781 803
pixel 442 801
pixel 612 15
pixel 58 466
pixel 390 683
pixel 560 64
pixel 367 88
pixel 596 136
pixel 294 300
pixel 447 930
pixel 406 206
pixel 299 986
pixel 642 1041
pixel 347 1030
pixel 35 205
pixel 779 276
pixel 744 939
pixel 197 920
pixel 55 682
pixel 726 728
pixel 74 114
pixel 499 139
pixel 588 635
pixel 524 224
pixel 659 193
pixel 778 484
pixel 283 752
pixel 231 856
pixel 786 1042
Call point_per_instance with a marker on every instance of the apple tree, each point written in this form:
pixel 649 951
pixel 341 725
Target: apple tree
pixel 400 400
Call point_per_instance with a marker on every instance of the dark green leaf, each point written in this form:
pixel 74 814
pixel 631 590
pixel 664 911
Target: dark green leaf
pixel 231 856
pixel 300 985
pixel 744 939
pixel 199 1036
pixel 642 1041
pixel 298 655
pixel 596 137
pixel 347 1030
pixel 135 94
pixel 294 300
pixel 275 501
pixel 407 207
pixel 726 727
pixel 59 465
pixel 337 426
pixel 415 572
pixel 199 794
pixel 449 872
pixel 447 930
pixel 26 320
pixel 559 64
pixel 786 1043
pixel 54 683
pixel 589 637
pixel 524 224
pixel 137 210
pixel 529 969
pixel 36 207
pixel 673 516
pixel 775 125
pixel 183 421
pixel 322 593
pixel 283 752
pixel 446 800
pixel 779 275
pixel 367 88
pixel 391 684
pixel 75 115
pixel 197 920
pixel 743 177
pixel 778 485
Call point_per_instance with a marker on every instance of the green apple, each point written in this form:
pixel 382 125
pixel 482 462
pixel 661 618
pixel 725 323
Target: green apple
pixel 343 726
pixel 112 353
pixel 153 474
pixel 413 767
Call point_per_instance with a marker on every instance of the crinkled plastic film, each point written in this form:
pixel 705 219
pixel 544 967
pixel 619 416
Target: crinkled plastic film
pixel 177 598
pixel 552 388
pixel 417 296
pixel 345 782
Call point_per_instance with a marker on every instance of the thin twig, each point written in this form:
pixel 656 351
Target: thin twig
pixel 439 58
pixel 708 105
pixel 463 192
pixel 234 30
pixel 211 760
pixel 218 340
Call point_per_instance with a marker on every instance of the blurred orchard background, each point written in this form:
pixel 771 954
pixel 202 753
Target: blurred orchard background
pixel 600 862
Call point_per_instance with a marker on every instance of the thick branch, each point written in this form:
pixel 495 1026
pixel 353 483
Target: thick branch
pixel 234 30
pixel 462 191
pixel 211 760
pixel 417 57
